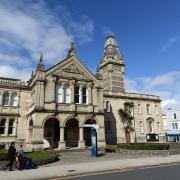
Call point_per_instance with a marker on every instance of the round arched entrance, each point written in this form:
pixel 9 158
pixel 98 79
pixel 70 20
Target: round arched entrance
pixel 52 132
pixel 87 132
pixel 72 133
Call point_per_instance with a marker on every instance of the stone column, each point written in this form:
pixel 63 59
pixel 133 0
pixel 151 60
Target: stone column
pixel 7 127
pixel 81 142
pixel 62 143
pixel 1 95
pixel 15 128
pixel 72 91
pixel 63 85
pixel 53 90
pixel 89 94
pixel 80 94
pixel 38 135
pixel 9 102
pixel 41 95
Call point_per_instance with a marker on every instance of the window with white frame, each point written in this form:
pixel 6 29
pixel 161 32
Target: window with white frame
pixel 156 109
pixel 58 93
pixel 11 128
pixel 158 127
pixel 14 99
pixel 174 126
pixel 148 108
pixel 141 127
pixel 2 126
pixel 84 95
pixel 150 125
pixel 5 99
pixel 66 94
pixel 139 108
pixel 76 94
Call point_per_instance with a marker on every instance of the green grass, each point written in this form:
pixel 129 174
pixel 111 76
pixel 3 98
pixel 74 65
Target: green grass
pixel 43 155
pixel 36 156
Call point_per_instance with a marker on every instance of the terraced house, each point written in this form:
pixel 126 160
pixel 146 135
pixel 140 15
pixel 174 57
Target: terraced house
pixel 51 109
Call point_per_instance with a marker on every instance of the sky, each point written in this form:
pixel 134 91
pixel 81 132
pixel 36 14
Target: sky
pixel 147 31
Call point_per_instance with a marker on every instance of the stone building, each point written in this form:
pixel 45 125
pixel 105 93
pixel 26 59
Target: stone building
pixel 51 109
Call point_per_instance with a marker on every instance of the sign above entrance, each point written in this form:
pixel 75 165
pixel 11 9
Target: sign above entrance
pixel 95 126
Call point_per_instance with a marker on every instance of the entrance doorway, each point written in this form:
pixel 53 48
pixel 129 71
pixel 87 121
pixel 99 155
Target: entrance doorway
pixel 52 132
pixel 87 132
pixel 72 133
pixel 128 137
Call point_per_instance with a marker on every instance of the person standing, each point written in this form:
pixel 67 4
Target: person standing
pixel 11 156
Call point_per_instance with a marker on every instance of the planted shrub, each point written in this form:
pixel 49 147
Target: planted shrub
pixel 144 146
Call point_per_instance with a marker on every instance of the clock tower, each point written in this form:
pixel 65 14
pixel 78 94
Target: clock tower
pixel 111 67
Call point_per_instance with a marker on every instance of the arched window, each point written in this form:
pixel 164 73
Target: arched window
pixel 58 93
pixel 108 106
pixel 2 126
pixel 5 99
pixel 11 129
pixel 76 94
pixel 84 94
pixel 14 99
pixel 66 94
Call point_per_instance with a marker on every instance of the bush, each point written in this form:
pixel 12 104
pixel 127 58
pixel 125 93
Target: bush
pixel 144 146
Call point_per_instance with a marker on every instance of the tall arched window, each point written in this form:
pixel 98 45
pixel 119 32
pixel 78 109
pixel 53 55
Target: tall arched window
pixel 11 129
pixel 84 95
pixel 5 99
pixel 14 99
pixel 59 93
pixel 66 94
pixel 76 94
pixel 2 126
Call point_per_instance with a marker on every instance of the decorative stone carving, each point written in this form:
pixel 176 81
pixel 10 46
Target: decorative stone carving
pixel 72 68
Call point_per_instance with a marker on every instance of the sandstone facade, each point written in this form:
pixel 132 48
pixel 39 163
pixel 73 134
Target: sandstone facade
pixel 50 110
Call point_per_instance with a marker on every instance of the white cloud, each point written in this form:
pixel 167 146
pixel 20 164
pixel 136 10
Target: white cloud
pixel 9 71
pixel 107 31
pixel 169 43
pixel 29 28
pixel 166 86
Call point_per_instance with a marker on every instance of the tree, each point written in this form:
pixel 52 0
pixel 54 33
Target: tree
pixel 126 117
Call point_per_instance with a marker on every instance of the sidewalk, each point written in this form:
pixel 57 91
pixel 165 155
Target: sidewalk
pixel 59 170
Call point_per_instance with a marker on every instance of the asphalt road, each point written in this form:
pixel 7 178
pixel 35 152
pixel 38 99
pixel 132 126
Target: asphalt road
pixel 170 172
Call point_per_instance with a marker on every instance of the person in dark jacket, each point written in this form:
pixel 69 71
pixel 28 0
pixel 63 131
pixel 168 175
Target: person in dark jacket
pixel 11 156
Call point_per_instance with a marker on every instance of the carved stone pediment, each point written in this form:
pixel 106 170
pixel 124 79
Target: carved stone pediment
pixel 72 68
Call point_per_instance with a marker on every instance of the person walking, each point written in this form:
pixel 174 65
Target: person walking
pixel 11 156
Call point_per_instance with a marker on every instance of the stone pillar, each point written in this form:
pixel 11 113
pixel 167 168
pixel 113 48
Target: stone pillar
pixel 62 143
pixel 94 95
pixel 6 127
pixel 38 135
pixel 1 95
pixel 15 128
pixel 41 94
pixel 72 91
pixel 9 102
pixel 89 94
pixel 53 90
pixel 63 85
pixel 81 142
pixel 80 94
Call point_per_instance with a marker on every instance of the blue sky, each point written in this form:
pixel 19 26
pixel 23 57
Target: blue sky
pixel 148 33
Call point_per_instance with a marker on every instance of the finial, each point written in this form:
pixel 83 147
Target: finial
pixel 72 50
pixel 72 45
pixel 41 58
